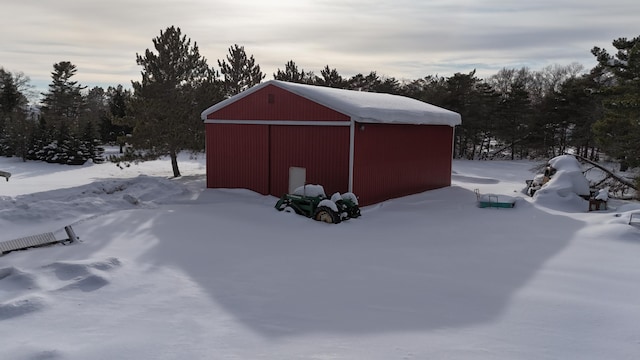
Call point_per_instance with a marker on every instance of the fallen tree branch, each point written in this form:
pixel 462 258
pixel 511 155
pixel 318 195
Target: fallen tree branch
pixel 496 152
pixel 611 174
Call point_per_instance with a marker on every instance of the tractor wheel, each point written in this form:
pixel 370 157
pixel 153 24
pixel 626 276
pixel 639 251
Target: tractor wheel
pixel 355 212
pixel 327 215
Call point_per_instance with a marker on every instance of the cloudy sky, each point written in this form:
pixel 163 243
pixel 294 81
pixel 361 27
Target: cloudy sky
pixel 405 39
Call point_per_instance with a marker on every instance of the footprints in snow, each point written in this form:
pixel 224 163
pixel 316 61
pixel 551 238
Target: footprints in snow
pixel 22 292
pixel 22 306
pixel 12 279
pixel 84 277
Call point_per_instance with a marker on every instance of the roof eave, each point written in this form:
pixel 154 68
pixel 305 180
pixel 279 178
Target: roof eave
pixel 453 119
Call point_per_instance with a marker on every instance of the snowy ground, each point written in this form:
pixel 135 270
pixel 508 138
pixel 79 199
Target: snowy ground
pixel 169 270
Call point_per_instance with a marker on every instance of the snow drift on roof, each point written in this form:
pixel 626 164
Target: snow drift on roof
pixel 366 107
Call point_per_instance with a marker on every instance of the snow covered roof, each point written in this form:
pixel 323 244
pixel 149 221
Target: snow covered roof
pixel 366 107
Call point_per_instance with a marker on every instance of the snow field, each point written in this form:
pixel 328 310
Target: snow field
pixel 168 269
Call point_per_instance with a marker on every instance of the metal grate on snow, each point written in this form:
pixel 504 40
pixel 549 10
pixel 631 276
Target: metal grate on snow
pixel 35 241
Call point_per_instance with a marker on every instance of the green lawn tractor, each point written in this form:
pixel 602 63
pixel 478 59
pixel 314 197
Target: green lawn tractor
pixel 311 201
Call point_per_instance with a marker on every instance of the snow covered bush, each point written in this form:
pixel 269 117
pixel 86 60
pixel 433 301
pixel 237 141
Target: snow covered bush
pixel 568 187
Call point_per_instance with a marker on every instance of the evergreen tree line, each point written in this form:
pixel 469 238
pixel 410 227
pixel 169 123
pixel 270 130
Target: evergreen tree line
pixel 516 113
pixel 520 113
pixel 70 125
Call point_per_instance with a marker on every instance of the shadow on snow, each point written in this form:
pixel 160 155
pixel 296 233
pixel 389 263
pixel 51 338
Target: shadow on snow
pixel 428 261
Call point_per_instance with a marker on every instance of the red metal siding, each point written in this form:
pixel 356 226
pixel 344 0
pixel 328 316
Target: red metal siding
pixel 238 156
pixel 390 160
pixel 322 150
pixel 393 160
pixel 283 106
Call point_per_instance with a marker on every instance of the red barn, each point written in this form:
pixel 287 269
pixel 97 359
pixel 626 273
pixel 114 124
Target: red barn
pixel 278 135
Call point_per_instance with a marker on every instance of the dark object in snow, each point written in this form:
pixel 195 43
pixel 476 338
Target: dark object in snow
pixel 311 201
pixel 597 204
pixel 5 174
pixel 131 199
pixel 539 180
pixel 599 200
pixel 39 240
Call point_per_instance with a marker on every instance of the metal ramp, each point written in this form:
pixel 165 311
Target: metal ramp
pixel 34 241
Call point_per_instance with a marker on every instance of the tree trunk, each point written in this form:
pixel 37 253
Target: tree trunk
pixel 174 163
pixel 513 149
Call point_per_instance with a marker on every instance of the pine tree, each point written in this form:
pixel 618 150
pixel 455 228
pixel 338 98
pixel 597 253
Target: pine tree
pixel 430 89
pixel 14 122
pixel 113 126
pixel 95 108
pixel 63 101
pixel 9 100
pixel 10 96
pixel 90 147
pixel 618 132
pixel 40 140
pixel 513 115
pixel 64 109
pixel 475 101
pixel 166 105
pixel 17 131
pixel 370 83
pixel 291 73
pixel 330 78
pixel 580 103
pixel 239 71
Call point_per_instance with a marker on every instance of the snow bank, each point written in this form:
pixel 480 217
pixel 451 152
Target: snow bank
pixel 97 197
pixel 219 271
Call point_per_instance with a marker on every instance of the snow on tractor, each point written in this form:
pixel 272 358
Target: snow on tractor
pixel 311 201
